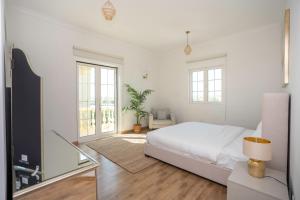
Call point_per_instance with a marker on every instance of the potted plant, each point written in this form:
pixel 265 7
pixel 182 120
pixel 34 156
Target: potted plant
pixel 137 99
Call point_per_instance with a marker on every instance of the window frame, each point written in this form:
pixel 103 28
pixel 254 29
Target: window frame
pixel 205 65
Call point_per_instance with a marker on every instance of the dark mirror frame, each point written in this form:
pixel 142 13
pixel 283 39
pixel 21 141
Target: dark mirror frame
pixel 9 178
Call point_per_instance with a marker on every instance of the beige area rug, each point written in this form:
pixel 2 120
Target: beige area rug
pixel 126 151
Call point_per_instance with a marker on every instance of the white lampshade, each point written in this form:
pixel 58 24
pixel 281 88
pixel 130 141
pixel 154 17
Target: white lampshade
pixel 257 148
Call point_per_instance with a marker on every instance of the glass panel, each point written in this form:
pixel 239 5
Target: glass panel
pixel 83 128
pixel 211 86
pixel 218 85
pixel 195 76
pixel 111 77
pixel 83 110
pixel 91 127
pixel 195 96
pixel 91 110
pixel 108 118
pixel 111 92
pixel 195 86
pixel 103 91
pixel 211 74
pixel 83 74
pixel 92 92
pixel 108 100
pixel 218 96
pixel 200 86
pixel 211 96
pixel 218 74
pixel 87 101
pixel 200 96
pixel 103 76
pixel 200 76
pixel 91 75
pixel 83 93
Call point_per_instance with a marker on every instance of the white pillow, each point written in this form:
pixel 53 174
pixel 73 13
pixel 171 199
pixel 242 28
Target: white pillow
pixel 161 115
pixel 259 129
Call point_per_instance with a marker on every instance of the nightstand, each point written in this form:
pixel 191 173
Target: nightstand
pixel 242 186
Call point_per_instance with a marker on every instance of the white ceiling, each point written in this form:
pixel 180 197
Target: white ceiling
pixel 159 24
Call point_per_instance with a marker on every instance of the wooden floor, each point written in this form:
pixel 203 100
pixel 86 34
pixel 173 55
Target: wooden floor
pixel 83 188
pixel 158 182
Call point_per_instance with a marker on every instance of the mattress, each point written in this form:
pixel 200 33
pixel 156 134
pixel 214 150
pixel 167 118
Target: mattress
pixel 194 139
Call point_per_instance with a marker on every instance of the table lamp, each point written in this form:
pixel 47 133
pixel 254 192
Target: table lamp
pixel 258 150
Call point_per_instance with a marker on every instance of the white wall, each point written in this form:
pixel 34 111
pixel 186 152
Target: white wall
pixel 2 109
pixel 294 89
pixel 48 45
pixel 253 67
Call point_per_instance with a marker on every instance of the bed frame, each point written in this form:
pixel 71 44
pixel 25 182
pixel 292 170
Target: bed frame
pixel 275 126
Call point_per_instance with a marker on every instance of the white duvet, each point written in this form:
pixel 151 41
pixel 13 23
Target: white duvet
pixel 233 152
pixel 199 140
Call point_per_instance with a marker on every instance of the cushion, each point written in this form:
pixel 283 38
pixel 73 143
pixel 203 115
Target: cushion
pixel 162 115
pixel 154 113
pixel 162 122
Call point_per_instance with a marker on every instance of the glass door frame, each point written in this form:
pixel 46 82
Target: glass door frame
pixel 98 65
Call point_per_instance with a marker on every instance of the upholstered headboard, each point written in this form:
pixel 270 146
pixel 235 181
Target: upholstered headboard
pixel 275 127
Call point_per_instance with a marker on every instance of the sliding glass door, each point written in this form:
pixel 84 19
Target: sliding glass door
pixel 97 100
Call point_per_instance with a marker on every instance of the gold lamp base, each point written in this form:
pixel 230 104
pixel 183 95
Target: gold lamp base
pixel 256 168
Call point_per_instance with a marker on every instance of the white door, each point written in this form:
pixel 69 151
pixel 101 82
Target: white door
pixel 97 101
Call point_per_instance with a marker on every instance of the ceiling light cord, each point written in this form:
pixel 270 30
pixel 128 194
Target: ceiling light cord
pixel 188 48
pixel 187 37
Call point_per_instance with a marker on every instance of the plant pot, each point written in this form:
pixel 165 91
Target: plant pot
pixel 137 128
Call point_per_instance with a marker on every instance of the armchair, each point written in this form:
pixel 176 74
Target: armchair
pixel 161 118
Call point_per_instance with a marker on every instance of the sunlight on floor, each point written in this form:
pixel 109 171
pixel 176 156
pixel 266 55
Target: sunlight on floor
pixel 133 138
pixel 140 136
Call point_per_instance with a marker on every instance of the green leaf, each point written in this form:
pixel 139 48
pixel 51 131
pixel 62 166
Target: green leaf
pixel 137 99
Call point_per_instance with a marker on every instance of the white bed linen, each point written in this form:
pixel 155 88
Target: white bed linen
pixel 195 139
pixel 233 152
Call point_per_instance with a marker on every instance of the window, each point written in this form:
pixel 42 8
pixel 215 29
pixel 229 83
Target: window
pixel 207 82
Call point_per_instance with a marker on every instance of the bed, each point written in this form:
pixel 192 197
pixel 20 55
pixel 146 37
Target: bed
pixel 211 150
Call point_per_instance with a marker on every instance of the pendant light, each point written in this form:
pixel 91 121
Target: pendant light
pixel 188 48
pixel 108 10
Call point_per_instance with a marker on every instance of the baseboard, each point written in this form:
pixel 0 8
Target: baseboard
pixel 85 178
pixel 76 143
pixel 144 130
